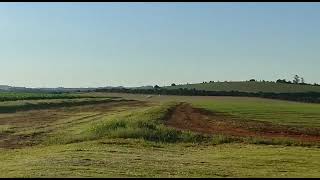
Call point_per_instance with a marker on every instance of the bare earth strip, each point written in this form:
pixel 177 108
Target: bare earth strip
pixel 185 117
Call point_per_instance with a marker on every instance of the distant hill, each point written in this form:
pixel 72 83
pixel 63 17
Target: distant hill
pixel 62 89
pixel 143 87
pixel 59 89
pixel 248 86
pixel 4 87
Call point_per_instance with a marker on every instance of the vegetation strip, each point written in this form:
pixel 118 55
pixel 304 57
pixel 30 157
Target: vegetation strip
pixel 45 105
pixel 310 97
pixel 15 96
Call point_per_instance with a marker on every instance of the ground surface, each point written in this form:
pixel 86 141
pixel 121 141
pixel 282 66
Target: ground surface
pixel 185 117
pixel 55 141
pixel 132 158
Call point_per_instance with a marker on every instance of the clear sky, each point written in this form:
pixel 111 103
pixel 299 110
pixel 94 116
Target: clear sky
pixel 133 44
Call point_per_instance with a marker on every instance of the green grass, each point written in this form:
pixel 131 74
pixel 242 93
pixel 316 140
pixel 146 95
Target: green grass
pixel 21 105
pixel 276 111
pixel 5 129
pixel 146 123
pixel 137 158
pixel 25 128
pixel 126 142
pixel 250 87
pixel 279 112
pixel 14 96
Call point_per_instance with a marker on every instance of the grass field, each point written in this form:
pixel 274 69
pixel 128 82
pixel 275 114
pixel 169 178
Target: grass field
pixel 276 111
pixel 250 87
pixel 136 158
pixel 14 96
pixel 160 136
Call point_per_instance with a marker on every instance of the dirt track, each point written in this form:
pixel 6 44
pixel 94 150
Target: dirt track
pixel 185 117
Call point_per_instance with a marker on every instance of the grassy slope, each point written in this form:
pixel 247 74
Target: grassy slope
pixel 250 87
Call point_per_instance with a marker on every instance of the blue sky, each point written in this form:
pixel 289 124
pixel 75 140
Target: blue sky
pixel 133 44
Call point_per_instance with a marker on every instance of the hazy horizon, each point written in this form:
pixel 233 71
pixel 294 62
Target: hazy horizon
pixel 137 44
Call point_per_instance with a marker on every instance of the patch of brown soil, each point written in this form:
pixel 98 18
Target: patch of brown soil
pixel 13 142
pixel 185 117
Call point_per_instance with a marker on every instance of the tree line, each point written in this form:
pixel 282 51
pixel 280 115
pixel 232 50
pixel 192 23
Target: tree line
pixel 311 97
pixel 296 80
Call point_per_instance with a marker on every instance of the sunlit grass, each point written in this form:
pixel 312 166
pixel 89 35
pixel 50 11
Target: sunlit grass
pixel 138 158
pixel 125 142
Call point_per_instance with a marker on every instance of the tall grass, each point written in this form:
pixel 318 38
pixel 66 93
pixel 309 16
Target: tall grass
pixel 147 125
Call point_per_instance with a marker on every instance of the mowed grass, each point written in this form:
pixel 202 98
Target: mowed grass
pixel 250 87
pixel 22 105
pixel 129 142
pixel 31 127
pixel 148 124
pixel 14 96
pixel 275 111
pixel 143 123
pixel 5 129
pixel 137 158
pixel 261 109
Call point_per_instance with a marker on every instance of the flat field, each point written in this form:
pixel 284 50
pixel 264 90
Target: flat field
pixel 129 135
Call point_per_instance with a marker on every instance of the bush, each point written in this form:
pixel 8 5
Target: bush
pixel 146 125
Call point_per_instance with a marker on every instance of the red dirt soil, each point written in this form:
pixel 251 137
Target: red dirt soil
pixel 185 117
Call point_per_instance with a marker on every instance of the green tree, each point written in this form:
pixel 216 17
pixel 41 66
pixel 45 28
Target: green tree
pixel 296 79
